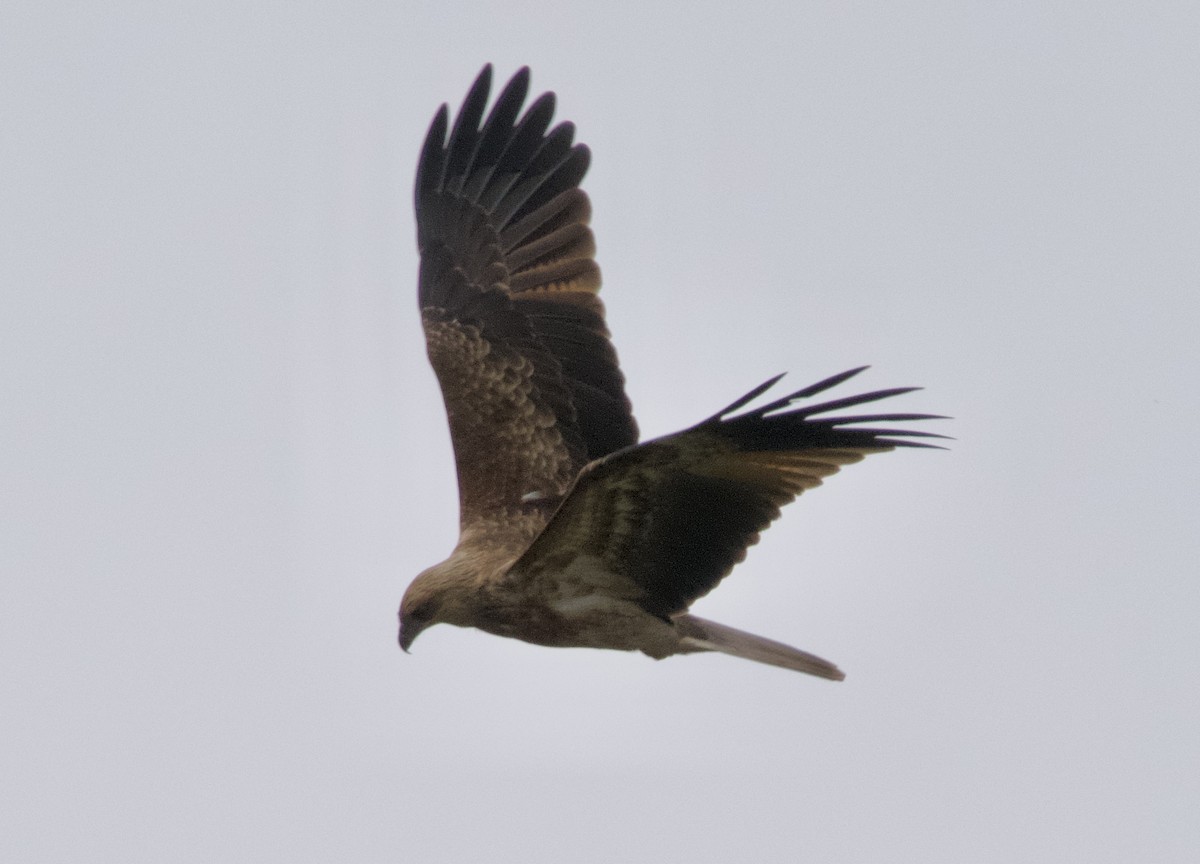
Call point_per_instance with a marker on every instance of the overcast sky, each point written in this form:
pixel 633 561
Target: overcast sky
pixel 224 455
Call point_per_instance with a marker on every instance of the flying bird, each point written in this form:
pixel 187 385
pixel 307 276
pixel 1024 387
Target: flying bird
pixel 572 533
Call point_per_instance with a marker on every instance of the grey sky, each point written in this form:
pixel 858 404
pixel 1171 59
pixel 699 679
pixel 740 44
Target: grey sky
pixel 224 455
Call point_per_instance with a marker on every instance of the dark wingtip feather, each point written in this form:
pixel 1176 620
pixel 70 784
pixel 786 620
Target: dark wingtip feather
pixel 889 441
pixel 850 401
pixel 431 162
pixel 782 425
pixel 509 101
pixel 876 418
pixel 828 383
pixel 811 390
pixel 540 111
pixel 745 400
pixel 466 126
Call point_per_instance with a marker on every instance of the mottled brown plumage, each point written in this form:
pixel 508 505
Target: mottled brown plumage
pixel 572 533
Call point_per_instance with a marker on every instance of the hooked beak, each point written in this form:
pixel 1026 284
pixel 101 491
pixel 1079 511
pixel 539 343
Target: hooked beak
pixel 409 630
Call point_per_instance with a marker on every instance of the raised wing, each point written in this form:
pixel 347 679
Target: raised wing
pixel 513 327
pixel 662 523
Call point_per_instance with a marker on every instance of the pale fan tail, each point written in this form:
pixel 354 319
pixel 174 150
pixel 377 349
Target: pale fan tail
pixel 699 634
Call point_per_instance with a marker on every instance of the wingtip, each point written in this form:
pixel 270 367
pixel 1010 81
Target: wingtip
pixel 484 78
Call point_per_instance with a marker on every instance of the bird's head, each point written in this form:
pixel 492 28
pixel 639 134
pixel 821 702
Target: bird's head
pixel 440 595
pixel 419 609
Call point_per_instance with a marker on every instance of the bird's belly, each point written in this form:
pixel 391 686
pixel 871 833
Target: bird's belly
pixel 581 621
pixel 597 621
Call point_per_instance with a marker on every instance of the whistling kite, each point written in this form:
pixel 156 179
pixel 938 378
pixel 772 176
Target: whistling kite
pixel 573 533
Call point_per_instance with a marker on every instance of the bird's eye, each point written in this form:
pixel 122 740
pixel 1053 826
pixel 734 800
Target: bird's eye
pixel 422 614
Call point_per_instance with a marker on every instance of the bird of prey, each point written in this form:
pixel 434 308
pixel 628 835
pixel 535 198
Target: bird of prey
pixel 572 533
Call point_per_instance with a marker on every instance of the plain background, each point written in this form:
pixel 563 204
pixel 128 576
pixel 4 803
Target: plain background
pixel 224 455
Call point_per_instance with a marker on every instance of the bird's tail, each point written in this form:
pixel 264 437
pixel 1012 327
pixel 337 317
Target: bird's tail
pixel 699 634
